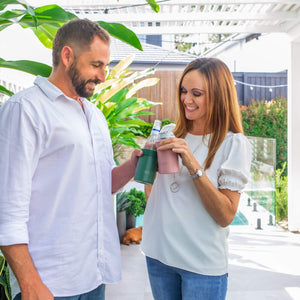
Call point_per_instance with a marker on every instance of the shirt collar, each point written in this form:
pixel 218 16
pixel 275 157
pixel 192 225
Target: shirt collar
pixel 50 90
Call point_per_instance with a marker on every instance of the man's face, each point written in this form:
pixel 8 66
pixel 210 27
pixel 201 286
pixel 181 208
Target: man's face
pixel 89 68
pixel 81 84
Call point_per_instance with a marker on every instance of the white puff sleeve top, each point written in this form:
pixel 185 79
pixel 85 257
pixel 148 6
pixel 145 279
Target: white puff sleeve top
pixel 177 229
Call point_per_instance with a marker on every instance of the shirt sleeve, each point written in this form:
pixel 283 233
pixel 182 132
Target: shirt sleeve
pixel 234 172
pixel 19 146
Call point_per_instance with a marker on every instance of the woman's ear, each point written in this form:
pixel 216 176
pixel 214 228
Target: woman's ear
pixel 67 56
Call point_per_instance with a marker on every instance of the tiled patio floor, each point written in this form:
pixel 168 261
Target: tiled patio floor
pixel 263 265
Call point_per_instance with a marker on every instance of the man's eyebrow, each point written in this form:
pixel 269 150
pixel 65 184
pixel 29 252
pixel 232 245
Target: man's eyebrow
pixel 97 62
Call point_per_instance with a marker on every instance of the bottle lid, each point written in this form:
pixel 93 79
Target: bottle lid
pixel 156 125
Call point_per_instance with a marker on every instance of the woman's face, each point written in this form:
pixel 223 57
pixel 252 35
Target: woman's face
pixel 193 97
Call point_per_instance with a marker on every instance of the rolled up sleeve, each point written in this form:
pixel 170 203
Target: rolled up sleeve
pixel 19 145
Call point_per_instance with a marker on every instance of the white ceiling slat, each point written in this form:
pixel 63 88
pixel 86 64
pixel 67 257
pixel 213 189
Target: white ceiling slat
pixel 207 29
pixel 194 16
pixel 218 16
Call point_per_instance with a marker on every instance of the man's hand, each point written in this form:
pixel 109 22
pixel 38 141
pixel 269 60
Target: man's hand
pixel 136 153
pixel 37 292
pixel 31 285
pixel 123 173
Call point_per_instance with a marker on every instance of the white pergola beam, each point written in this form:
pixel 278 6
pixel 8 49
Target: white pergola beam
pixel 122 3
pixel 204 29
pixel 203 16
pixel 225 2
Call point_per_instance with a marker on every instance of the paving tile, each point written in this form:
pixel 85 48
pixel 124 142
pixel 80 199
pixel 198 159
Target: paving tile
pixel 263 265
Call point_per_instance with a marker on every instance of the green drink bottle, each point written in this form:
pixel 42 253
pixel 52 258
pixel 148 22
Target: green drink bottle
pixel 147 164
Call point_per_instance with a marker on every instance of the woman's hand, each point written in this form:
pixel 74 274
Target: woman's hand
pixel 181 147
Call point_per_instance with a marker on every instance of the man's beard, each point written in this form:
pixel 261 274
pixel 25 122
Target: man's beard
pixel 79 83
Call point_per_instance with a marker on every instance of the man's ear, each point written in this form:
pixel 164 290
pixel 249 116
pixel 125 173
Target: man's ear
pixel 67 56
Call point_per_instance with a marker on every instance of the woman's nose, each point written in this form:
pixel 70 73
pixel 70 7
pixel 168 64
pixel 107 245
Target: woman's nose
pixel 188 98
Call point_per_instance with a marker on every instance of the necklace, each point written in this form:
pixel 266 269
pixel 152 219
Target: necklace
pixel 175 186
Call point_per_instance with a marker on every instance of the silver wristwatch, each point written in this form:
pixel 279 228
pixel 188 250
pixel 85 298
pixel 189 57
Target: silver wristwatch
pixel 199 173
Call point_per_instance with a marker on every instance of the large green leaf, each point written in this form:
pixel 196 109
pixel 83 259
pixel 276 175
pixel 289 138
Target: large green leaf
pixel 11 15
pixel 32 67
pixel 4 26
pixel 45 20
pixel 4 3
pixel 48 14
pixel 119 96
pixel 8 18
pixel 5 91
pixel 45 33
pixel 49 19
pixel 153 5
pixel 123 107
pixel 122 33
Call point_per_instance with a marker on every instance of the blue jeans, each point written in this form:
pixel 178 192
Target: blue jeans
pixel 96 294
pixel 170 283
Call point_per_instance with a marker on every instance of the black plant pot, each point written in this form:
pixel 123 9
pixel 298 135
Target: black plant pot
pixel 130 221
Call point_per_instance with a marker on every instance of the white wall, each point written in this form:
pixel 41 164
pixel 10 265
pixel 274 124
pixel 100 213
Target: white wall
pixel 19 44
pixel 270 53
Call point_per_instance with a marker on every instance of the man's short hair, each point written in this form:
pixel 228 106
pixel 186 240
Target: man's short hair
pixel 78 34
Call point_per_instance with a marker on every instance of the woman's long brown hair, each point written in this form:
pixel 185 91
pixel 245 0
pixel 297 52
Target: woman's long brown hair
pixel 223 113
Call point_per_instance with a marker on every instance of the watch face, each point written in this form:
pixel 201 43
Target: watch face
pixel 199 172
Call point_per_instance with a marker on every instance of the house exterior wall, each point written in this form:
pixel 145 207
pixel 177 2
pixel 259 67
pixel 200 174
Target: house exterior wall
pixel 269 53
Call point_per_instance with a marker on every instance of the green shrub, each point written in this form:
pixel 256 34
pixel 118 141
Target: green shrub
pixel 146 129
pixel 281 194
pixel 138 202
pixel 268 120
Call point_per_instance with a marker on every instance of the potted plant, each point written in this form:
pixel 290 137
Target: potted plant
pixel 122 202
pixel 136 208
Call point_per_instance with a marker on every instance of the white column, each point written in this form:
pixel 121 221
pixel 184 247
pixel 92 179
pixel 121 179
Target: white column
pixel 294 138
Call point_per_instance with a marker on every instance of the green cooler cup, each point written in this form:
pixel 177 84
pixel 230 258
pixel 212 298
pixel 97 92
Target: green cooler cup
pixel 146 167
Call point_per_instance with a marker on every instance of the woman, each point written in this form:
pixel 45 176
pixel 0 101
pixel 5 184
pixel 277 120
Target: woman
pixel 187 215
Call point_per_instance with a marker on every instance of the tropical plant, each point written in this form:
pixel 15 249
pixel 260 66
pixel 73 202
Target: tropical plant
pixel 138 202
pixel 5 292
pixel 44 21
pixel 115 98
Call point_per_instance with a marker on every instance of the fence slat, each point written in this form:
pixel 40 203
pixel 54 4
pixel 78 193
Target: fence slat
pixel 165 91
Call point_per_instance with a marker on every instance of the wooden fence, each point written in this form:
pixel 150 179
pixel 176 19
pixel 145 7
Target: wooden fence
pixel 260 86
pixel 164 92
pixel 257 86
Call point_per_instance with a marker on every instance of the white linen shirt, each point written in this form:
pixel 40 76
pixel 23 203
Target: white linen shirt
pixel 55 188
pixel 177 229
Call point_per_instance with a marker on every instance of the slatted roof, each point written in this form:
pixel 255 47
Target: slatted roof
pixel 192 16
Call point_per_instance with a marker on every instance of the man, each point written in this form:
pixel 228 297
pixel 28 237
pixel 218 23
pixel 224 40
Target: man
pixel 57 225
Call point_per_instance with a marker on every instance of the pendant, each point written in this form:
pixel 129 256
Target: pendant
pixel 174 187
